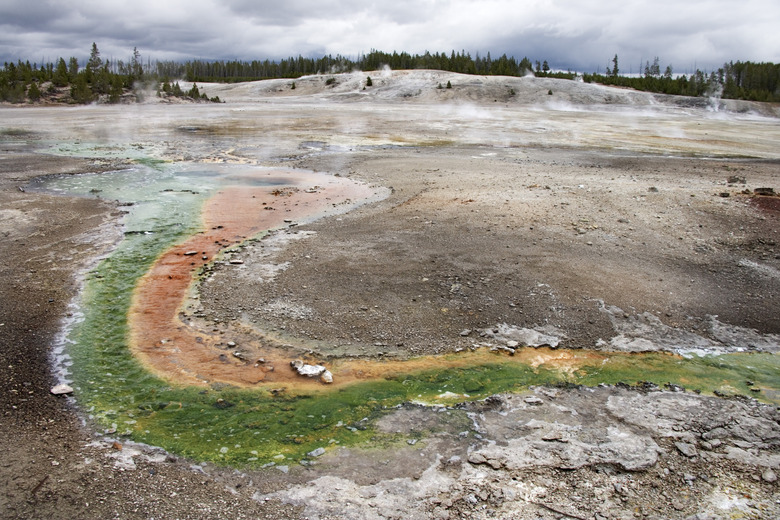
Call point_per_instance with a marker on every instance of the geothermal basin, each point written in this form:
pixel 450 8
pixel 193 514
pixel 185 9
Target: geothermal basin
pixel 430 249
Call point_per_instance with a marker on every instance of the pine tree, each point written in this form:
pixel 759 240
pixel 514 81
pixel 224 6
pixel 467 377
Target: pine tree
pixel 94 62
pixel 60 76
pixel 136 68
pixel 654 70
pixel 34 93
pixel 79 90
pixel 73 68
pixel 117 88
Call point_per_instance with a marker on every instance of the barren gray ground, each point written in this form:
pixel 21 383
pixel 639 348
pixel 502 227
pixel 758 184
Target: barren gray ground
pixel 594 215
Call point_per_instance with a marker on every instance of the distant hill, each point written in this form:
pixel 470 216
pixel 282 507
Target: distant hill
pixel 430 86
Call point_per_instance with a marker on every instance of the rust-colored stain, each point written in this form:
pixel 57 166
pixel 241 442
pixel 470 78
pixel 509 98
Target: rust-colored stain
pixel 183 354
pixel 766 203
pixel 176 351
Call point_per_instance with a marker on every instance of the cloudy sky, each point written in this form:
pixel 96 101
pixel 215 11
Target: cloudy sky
pixel 580 35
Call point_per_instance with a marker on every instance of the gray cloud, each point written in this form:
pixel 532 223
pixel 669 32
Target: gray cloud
pixel 579 35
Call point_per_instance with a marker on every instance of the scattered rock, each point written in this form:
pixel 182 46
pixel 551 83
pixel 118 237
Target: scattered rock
pixel 311 370
pixel 317 453
pixel 477 458
pixel 533 401
pixel 769 476
pixel 521 336
pixel 61 390
pixel 304 369
pixel 764 191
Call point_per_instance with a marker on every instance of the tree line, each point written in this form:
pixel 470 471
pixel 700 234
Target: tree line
pixel 112 81
pixel 99 80
pixel 295 67
pixel 734 80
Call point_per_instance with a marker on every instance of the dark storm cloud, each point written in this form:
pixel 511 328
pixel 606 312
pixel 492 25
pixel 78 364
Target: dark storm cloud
pixel 579 35
pixel 26 15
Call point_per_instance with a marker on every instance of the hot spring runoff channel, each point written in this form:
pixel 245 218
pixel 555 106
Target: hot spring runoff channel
pixel 251 425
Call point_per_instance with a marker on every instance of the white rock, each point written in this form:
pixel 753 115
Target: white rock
pixel 311 370
pixel 61 390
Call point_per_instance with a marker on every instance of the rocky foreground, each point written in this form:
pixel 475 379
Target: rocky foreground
pixel 564 453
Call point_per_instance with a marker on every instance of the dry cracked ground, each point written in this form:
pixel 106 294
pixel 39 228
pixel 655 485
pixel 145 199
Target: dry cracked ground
pixel 516 208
